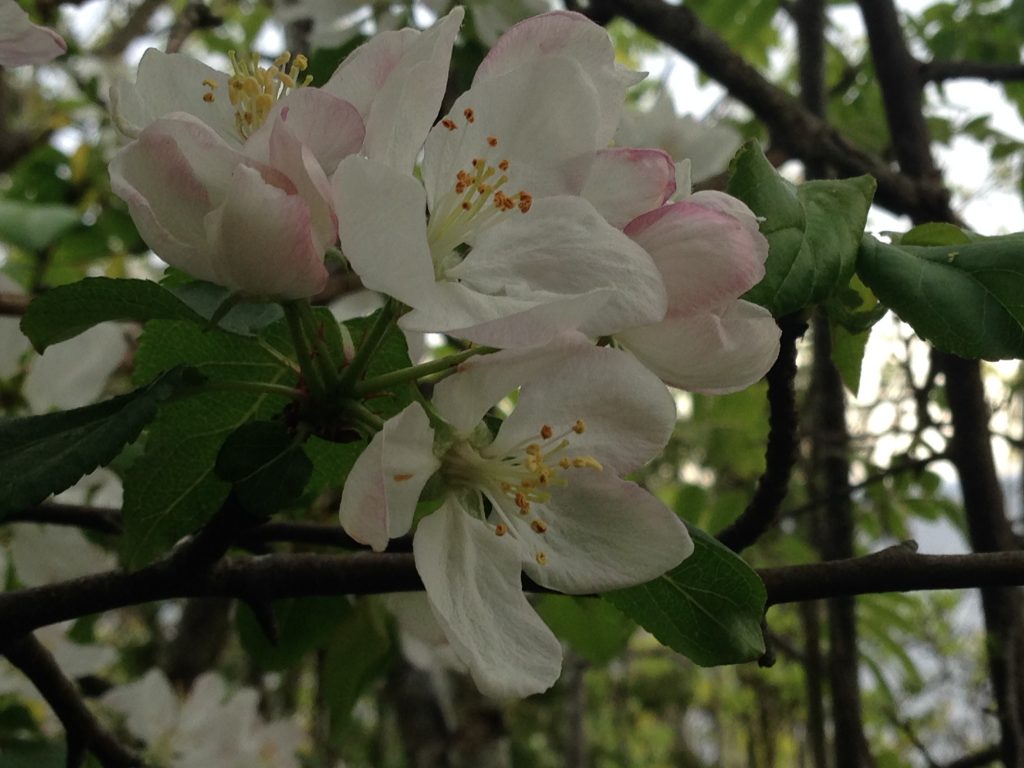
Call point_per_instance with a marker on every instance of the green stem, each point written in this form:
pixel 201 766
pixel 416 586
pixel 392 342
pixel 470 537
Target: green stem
pixel 371 340
pixel 417 371
pixel 310 372
pixel 321 352
pixel 363 415
pixel 255 386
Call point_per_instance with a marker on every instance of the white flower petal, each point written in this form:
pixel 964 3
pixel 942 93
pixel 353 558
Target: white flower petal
pixel 173 82
pixel 563 33
pixel 463 399
pixel 149 705
pixel 262 238
pixel 383 229
pixel 542 118
pixel 713 352
pixel 602 533
pixel 380 494
pixel 625 182
pixel 45 554
pixel 397 81
pixel 705 256
pixel 331 128
pixel 472 579
pixel 22 42
pixel 628 413
pixel 563 247
pixel 75 372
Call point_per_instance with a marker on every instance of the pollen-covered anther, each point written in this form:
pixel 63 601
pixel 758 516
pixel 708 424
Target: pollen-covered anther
pixel 522 502
pixel 254 89
pixel 546 431
pixel 500 529
pixel 541 558
pixel 449 124
pixel 587 462
pixel 579 427
pixel 525 201
pixel 539 526
pixel 503 165
pixel 469 114
pixel 492 141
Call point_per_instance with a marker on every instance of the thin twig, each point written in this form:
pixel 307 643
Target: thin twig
pixel 84 731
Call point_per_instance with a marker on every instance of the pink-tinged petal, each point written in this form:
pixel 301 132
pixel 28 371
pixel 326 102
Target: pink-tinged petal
pixel 601 533
pixel 166 200
pixel 397 81
pixel 625 183
pixel 290 157
pixel 541 117
pixel 628 413
pixel 331 128
pixel 501 321
pixel 472 578
pixel 263 242
pixel 463 399
pixel 380 495
pixel 173 82
pixel 22 42
pixel 733 206
pixel 561 248
pixel 705 256
pixel 708 352
pixel 563 33
pixel 383 228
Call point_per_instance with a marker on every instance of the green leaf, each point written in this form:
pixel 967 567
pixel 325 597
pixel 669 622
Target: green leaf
pixel 25 753
pixel 848 355
pixel 708 608
pixel 303 624
pixel 813 231
pixel 66 311
pixel 935 233
pixel 34 226
pixel 593 628
pixel 391 355
pixel 360 651
pixel 40 455
pixel 966 299
pixel 266 465
pixel 243 318
pixel 173 489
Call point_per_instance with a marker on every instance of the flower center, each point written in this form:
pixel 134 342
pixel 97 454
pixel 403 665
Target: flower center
pixel 523 474
pixel 254 89
pixel 476 199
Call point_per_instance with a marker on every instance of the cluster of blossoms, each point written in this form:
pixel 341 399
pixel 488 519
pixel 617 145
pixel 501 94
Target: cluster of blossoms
pixel 512 223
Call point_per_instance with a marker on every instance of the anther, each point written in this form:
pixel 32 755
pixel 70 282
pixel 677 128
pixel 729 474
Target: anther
pixel 579 427
pixel 546 431
pixel 401 478
pixel 468 114
pixel 451 126
pixel 500 529
pixel 503 165
pixel 492 141
pixel 541 558
pixel 539 526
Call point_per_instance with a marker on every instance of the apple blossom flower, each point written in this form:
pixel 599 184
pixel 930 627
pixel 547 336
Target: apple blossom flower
pixel 212 727
pixel 509 254
pixel 543 496
pixel 709 251
pixel 22 42
pixel 227 175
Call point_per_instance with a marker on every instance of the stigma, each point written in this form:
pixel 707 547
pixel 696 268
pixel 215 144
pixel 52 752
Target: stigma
pixel 254 89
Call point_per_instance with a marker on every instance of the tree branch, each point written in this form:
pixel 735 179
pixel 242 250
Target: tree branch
pixel 274 577
pixel 792 126
pixel 84 731
pixel 781 450
pixel 938 71
pixel 13 304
